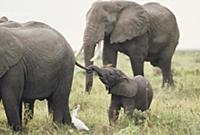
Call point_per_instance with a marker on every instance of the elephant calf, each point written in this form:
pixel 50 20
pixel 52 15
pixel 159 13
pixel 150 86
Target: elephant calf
pixel 128 93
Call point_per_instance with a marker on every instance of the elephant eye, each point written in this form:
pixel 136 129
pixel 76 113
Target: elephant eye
pixel 111 74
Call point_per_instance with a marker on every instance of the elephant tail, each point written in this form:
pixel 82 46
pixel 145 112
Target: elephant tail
pixel 83 67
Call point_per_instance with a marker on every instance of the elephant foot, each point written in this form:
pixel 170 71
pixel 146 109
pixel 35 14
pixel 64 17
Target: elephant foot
pixel 88 87
pixel 168 83
pixel 16 128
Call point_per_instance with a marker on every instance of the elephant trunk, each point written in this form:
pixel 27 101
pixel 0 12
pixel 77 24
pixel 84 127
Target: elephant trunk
pixel 88 54
pixel 96 69
pixel 89 48
pixel 92 35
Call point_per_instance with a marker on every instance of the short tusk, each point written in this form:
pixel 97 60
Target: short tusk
pixel 79 52
pixel 97 52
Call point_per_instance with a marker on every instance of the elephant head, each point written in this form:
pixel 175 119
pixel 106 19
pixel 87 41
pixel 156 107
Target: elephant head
pixel 115 81
pixel 3 19
pixel 120 20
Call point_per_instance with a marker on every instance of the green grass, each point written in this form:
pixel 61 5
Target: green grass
pixel 174 111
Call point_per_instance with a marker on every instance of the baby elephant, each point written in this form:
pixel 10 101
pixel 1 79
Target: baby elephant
pixel 128 93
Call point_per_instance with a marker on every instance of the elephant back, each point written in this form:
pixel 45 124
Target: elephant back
pixel 143 85
pixel 10 24
pixel 160 17
pixel 141 80
pixel 10 50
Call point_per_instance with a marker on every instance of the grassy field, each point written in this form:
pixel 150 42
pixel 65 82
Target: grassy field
pixel 174 111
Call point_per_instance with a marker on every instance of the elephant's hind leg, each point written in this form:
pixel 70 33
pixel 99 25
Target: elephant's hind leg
pixel 58 105
pixel 12 88
pixel 67 116
pixel 165 65
pixel 60 108
pixel 60 101
pixel 69 79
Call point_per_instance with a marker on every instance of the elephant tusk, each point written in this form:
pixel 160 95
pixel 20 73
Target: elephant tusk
pixel 97 52
pixel 79 52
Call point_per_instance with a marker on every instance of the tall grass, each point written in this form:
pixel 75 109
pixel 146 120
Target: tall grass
pixel 174 111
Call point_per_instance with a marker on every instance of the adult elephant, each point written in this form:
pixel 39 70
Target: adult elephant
pixel 146 32
pixel 28 104
pixel 36 63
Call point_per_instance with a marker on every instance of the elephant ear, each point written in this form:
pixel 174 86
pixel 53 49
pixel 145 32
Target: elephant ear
pixel 132 21
pixel 10 51
pixel 128 89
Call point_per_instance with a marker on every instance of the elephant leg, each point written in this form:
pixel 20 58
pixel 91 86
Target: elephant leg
pixel 137 51
pixel 166 73
pixel 165 65
pixel 12 109
pixel 67 117
pixel 113 112
pixel 137 64
pixel 60 100
pixel 129 110
pixel 61 114
pixel 109 53
pixel 50 106
pixel 58 104
pixel 28 110
pixel 20 111
pixel 11 90
pixel 129 106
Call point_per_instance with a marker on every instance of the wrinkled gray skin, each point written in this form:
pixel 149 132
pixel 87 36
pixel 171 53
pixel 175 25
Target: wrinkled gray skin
pixel 28 104
pixel 146 32
pixel 128 93
pixel 36 63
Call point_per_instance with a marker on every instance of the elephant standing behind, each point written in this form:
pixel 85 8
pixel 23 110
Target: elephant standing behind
pixel 36 63
pixel 146 32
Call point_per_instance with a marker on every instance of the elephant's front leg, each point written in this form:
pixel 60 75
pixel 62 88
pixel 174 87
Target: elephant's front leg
pixel 12 86
pixel 109 53
pixel 138 50
pixel 113 112
pixel 128 105
pixel 137 64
